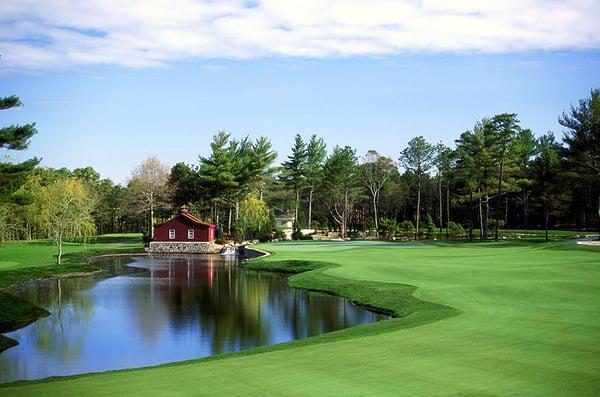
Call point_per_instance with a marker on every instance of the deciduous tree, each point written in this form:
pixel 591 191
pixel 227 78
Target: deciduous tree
pixel 64 209
pixel 375 171
pixel 149 184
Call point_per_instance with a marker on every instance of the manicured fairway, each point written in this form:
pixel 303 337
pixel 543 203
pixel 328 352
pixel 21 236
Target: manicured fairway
pixel 528 324
pixel 21 254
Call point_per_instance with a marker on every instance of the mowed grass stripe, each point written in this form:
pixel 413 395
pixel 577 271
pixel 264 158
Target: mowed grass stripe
pixel 529 325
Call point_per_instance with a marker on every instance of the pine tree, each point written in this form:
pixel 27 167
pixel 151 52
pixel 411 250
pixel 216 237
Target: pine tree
pixel 14 137
pixel 417 157
pixel 583 142
pixel 316 152
pixel 294 172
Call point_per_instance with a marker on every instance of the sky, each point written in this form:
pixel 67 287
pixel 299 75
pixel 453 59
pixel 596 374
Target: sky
pixel 110 83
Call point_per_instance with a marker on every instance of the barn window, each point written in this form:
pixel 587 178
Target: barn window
pixel 171 234
pixel 190 234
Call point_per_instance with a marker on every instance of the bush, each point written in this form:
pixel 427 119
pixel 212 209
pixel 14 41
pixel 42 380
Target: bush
pixel 456 230
pixel 492 224
pixel 407 228
pixel 264 236
pixel 279 235
pixel 297 235
pixel 388 228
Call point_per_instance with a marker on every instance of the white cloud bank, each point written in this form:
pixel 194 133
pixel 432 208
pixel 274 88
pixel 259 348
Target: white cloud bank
pixel 44 34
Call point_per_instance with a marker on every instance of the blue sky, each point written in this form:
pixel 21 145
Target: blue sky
pixel 101 96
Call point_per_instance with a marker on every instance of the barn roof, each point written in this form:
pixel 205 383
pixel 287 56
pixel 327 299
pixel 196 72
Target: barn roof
pixel 189 217
pixel 194 219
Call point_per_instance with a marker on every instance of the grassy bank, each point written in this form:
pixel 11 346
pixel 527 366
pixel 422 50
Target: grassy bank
pixel 527 323
pixel 31 260
pixel 393 298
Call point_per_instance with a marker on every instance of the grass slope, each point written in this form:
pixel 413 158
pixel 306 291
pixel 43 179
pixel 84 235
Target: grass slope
pixel 529 324
pixel 29 260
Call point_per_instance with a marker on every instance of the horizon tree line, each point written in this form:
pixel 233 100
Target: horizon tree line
pixel 498 175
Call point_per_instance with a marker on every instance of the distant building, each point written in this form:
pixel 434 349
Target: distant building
pixel 184 233
pixel 285 222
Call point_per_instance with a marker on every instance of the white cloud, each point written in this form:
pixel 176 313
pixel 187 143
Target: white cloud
pixel 41 34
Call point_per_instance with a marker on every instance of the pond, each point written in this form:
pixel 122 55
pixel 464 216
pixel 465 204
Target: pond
pixel 146 310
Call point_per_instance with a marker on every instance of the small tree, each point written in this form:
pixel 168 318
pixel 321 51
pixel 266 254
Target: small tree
pixel 255 220
pixel 407 228
pixel 64 210
pixel 389 227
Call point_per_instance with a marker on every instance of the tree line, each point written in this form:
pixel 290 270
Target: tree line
pixel 498 175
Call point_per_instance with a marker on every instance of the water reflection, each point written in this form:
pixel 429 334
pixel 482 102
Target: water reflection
pixel 163 309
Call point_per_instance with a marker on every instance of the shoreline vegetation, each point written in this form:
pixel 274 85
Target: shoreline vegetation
pixel 26 261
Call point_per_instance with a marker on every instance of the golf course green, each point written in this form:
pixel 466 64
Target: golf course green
pixel 507 318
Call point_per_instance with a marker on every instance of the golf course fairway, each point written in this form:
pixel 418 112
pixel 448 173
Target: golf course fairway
pixel 508 318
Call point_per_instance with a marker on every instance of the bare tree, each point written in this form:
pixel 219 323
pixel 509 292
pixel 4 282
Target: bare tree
pixel 375 170
pixel 149 183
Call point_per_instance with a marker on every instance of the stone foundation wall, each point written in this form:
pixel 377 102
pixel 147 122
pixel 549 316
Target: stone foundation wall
pixel 184 248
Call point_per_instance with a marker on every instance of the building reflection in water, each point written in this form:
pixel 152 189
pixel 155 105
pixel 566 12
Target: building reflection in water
pixel 164 309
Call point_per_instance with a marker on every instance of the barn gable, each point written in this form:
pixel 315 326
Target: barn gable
pixel 185 227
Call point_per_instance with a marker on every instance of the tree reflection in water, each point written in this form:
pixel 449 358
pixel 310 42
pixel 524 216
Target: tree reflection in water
pixel 154 310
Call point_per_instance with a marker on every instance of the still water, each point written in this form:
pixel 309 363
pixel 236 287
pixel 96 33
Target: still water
pixel 150 310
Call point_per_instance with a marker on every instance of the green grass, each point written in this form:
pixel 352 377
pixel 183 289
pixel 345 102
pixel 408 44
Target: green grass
pixel 38 253
pixel 30 260
pixel 535 234
pixel 512 318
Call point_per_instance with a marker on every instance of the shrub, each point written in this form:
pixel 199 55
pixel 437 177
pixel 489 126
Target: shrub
pixel 407 228
pixel 297 233
pixel 279 234
pixel 456 230
pixel 264 236
pixel 492 224
pixel 388 228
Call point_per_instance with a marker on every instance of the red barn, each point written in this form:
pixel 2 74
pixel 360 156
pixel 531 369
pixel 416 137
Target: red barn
pixel 185 228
